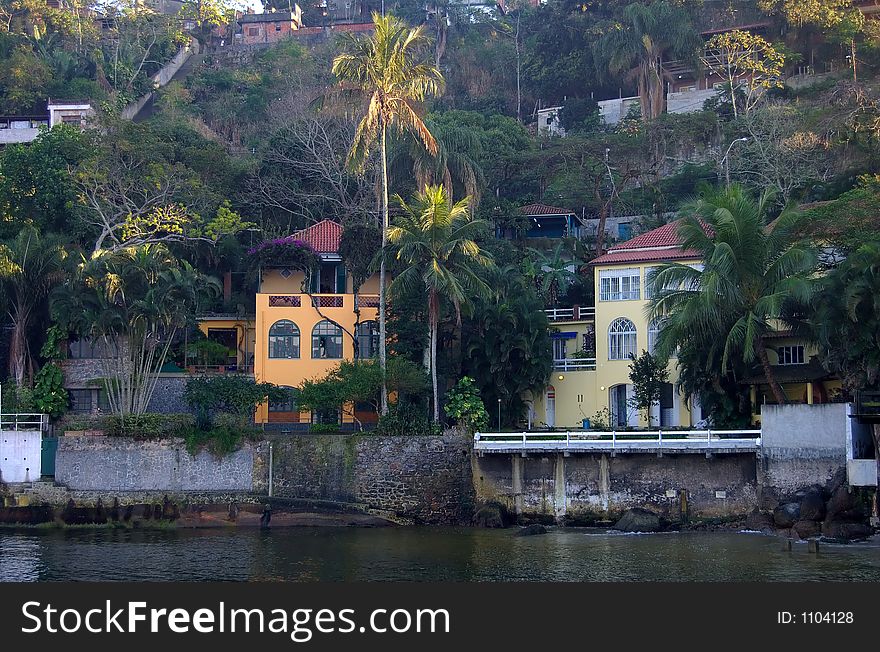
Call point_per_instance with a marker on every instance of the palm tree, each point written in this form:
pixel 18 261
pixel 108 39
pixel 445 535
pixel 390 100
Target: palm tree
pixel 389 70
pixel 132 301
pixel 435 241
pixel 454 165
pixel 751 275
pixel 556 272
pixel 638 44
pixel 30 266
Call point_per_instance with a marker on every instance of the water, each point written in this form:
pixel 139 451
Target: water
pixel 421 554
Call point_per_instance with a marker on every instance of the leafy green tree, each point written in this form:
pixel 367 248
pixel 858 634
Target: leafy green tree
pixel 360 381
pixel 389 70
pixel 646 35
pixel 846 318
pixel 751 275
pixel 132 301
pixel 230 394
pixel 506 343
pixel 31 265
pixel 747 63
pixel 36 186
pixel 648 374
pixel 435 243
pixel 556 271
pixel 463 403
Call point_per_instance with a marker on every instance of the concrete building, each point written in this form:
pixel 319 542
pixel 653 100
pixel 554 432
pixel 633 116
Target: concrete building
pixel 547 222
pixel 548 121
pixel 24 129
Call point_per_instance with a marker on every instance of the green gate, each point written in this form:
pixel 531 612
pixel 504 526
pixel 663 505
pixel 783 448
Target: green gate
pixel 47 462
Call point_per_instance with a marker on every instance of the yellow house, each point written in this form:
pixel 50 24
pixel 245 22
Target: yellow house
pixel 306 323
pixel 591 348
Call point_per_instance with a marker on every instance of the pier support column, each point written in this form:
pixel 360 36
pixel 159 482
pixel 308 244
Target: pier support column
pixel 560 501
pixel 604 482
pixel 517 476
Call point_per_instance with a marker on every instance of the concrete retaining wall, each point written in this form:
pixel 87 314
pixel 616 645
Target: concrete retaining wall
pixel 802 445
pixel 121 464
pixel 20 456
pixel 595 487
pixel 161 78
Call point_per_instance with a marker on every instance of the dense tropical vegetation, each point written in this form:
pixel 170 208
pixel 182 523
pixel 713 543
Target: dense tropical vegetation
pixel 121 231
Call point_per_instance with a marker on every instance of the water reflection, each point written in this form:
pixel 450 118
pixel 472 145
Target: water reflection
pixel 420 554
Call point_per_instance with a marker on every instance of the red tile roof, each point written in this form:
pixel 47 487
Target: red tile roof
pixel 662 243
pixel 544 209
pixel 323 237
pixel 664 236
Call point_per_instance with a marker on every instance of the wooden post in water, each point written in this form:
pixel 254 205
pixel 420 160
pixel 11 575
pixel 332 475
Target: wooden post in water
pixel 813 546
pixel 683 505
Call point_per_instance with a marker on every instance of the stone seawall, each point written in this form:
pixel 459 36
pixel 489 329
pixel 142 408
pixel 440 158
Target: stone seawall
pixel 422 479
pixel 584 488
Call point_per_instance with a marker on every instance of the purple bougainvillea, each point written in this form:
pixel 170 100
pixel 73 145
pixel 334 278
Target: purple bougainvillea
pixel 287 241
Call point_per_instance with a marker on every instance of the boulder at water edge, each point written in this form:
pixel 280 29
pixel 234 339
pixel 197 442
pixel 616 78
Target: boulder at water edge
pixel 638 519
pixel 812 505
pixel 531 530
pixel 787 515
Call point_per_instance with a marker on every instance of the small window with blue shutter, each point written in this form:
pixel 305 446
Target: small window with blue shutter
pixel 340 279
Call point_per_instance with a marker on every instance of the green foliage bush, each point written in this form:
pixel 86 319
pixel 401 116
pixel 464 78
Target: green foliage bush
pixel 49 395
pixel 463 403
pixel 149 425
pixel 17 399
pixel 232 395
pixel 406 420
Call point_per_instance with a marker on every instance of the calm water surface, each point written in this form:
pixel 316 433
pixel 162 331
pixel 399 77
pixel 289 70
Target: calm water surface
pixel 421 554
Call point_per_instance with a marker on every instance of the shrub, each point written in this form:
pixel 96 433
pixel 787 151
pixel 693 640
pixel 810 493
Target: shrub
pixel 406 420
pixel 150 425
pixel 463 403
pixel 227 394
pixel 49 395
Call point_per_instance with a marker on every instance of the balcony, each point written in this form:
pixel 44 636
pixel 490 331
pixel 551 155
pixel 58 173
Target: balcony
pixel 578 313
pixel 575 364
pixel 323 300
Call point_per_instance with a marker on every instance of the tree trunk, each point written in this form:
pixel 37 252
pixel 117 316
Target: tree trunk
pixel 433 318
pixel 775 387
pixel 518 73
pixel 852 48
pixel 382 330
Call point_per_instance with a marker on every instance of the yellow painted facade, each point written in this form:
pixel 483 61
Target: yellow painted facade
pixel 576 393
pixel 282 298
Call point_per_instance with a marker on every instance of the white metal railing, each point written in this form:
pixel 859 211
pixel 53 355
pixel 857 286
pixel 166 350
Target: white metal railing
pixel 24 421
pixel 568 314
pixel 575 364
pixel 587 440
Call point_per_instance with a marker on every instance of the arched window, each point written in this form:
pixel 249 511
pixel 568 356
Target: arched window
pixel 621 339
pixel 653 334
pixel 367 340
pixel 327 340
pixel 284 340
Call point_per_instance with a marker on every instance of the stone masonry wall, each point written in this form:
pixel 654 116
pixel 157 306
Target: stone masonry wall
pixel 423 479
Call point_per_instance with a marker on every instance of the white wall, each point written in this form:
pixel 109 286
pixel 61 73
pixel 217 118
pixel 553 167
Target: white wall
pixel 20 455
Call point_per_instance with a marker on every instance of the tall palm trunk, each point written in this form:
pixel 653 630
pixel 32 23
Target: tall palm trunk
pixel 20 363
pixel 434 320
pixel 775 387
pixel 382 328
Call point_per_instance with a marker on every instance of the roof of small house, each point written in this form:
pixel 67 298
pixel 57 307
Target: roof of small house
pixel 544 209
pixel 659 244
pixel 267 17
pixel 324 237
